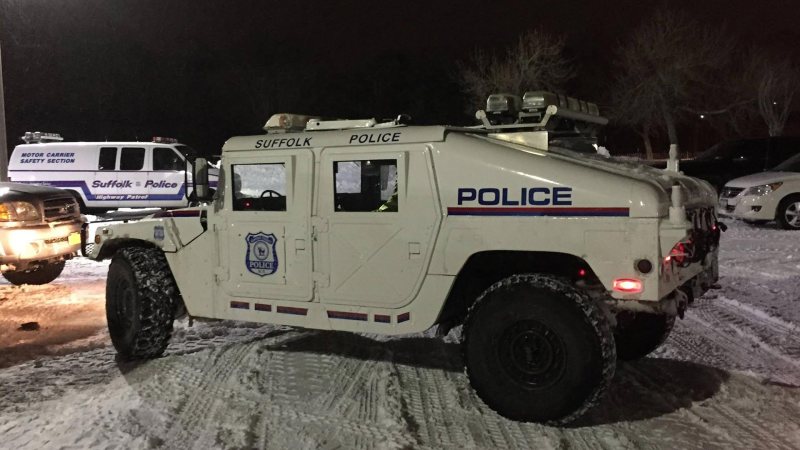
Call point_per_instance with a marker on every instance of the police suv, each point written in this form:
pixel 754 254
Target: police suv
pixel 108 175
pixel 556 261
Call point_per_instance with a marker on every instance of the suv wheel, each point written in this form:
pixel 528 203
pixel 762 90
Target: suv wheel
pixel 538 349
pixel 788 215
pixel 638 334
pixel 140 302
pixel 42 275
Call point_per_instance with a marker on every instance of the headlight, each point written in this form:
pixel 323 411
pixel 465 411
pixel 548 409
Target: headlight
pixel 18 212
pixel 764 189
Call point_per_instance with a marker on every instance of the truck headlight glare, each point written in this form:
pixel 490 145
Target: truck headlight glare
pixel 763 189
pixel 18 212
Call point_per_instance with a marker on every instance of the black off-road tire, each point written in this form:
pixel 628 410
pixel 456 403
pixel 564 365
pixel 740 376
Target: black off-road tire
pixel 639 334
pixel 537 349
pixel 141 299
pixel 790 204
pixel 42 275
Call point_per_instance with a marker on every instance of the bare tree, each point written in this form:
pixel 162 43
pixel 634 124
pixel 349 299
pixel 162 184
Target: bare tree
pixel 535 62
pixel 776 82
pixel 666 68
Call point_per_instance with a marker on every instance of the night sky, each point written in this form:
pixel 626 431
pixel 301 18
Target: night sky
pixel 206 71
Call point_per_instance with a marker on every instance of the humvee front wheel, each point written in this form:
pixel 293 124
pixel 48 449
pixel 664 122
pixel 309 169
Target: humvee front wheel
pixel 537 349
pixel 140 302
pixel 639 334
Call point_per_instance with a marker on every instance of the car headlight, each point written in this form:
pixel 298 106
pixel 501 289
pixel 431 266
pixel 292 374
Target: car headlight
pixel 18 212
pixel 763 189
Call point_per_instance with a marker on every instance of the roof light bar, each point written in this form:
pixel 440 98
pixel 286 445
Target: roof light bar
pixel 281 123
pixel 164 140
pixel 37 137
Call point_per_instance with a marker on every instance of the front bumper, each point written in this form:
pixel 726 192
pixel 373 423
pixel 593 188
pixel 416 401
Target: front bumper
pixel 25 247
pixel 749 207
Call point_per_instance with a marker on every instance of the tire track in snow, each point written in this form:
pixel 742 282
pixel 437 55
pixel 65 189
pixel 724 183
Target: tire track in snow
pixel 198 412
pixel 744 349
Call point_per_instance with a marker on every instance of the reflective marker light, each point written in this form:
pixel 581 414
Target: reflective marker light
pixel 627 285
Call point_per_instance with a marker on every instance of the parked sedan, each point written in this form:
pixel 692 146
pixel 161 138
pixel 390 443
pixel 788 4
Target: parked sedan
pixel 765 196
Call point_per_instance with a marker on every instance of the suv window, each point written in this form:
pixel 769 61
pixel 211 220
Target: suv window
pixel 165 158
pixel 259 187
pixel 132 158
pixel 365 185
pixel 108 158
pixel 752 151
pixel 735 151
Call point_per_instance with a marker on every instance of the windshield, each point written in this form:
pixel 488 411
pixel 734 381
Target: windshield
pixel 187 151
pixel 790 165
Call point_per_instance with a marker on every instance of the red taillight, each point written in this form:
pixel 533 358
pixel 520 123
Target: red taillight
pixel 582 273
pixel 628 285
pixel 678 254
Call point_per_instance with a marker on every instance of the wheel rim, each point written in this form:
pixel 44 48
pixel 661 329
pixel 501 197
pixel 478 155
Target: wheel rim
pixel 792 214
pixel 531 354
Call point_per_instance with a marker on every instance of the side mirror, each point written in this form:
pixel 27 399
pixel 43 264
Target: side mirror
pixel 200 180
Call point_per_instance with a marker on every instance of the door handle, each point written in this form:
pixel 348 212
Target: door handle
pixel 414 250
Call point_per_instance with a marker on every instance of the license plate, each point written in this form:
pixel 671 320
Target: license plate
pixel 74 238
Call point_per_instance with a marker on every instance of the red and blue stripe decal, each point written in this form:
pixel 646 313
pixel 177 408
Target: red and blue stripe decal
pixel 178 213
pixel 539 212
pixel 292 310
pixel 344 315
pixel 347 315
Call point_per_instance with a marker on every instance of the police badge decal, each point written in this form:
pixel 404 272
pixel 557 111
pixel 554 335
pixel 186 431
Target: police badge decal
pixel 261 258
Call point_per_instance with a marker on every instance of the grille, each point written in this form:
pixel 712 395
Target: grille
pixel 703 219
pixel 60 208
pixel 729 192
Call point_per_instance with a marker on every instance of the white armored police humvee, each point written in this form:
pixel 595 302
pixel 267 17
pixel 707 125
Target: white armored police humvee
pixel 556 261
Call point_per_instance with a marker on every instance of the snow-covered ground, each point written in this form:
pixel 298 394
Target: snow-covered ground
pixel 728 377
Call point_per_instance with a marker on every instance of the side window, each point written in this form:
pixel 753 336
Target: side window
pixel 108 158
pixel 259 187
pixel 365 185
pixel 166 159
pixel 132 158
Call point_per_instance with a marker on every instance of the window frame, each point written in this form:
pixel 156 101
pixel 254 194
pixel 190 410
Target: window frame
pixel 399 163
pixel 230 169
pixel 122 153
pixel 175 152
pixel 116 158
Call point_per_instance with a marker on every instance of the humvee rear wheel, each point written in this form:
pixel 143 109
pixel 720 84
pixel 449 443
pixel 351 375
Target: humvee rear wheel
pixel 639 334
pixel 537 349
pixel 42 275
pixel 141 298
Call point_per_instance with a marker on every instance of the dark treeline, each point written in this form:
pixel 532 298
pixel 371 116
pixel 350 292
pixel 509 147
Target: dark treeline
pixel 205 71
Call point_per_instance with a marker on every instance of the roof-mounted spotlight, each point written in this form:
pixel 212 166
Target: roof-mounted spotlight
pixel 503 108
